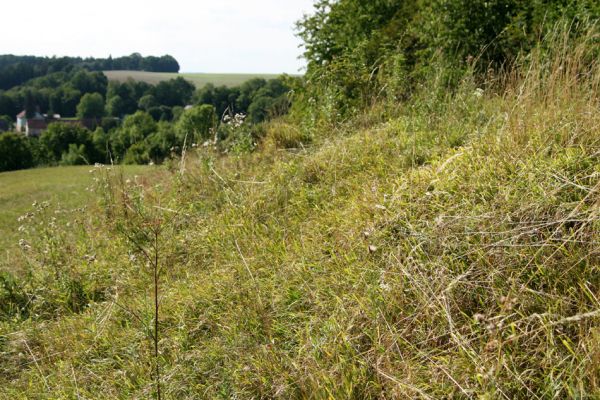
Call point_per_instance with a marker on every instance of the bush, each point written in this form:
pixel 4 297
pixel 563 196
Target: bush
pixel 15 152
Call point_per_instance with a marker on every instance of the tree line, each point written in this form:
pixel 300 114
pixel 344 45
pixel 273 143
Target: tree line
pixel 139 123
pixel 16 70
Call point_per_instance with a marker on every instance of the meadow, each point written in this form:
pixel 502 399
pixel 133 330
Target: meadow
pixel 63 187
pixel 198 79
pixel 438 246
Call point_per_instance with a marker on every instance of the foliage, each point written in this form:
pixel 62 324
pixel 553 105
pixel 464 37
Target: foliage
pixel 16 70
pixel 197 124
pixel 135 128
pixel 358 51
pixel 91 106
pixel 444 246
pixel 15 152
pixel 59 138
pixel 260 99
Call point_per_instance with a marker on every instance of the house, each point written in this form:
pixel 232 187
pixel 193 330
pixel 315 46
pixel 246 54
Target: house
pixel 34 127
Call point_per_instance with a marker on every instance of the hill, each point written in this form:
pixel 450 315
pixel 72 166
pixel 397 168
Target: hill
pixel 422 223
pixel 447 248
pixel 198 79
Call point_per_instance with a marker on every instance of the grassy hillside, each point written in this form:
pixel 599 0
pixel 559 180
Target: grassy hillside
pixel 442 247
pixel 197 79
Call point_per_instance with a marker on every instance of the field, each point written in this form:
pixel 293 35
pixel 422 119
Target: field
pixel 198 79
pixel 61 186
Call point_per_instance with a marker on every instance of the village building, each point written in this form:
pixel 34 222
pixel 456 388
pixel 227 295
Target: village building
pixel 35 126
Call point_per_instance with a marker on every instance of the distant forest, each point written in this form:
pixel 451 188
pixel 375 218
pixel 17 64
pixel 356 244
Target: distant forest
pixel 132 121
pixel 16 70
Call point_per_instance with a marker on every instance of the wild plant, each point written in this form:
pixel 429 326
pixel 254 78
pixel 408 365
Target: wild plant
pixel 133 209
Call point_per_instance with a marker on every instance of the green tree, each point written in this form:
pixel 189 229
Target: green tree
pixel 196 123
pixel 56 140
pixel 115 106
pixel 76 155
pixel 91 106
pixel 135 128
pixel 15 152
pixel 146 102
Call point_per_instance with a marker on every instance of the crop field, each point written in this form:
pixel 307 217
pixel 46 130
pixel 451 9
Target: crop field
pixel 62 187
pixel 198 79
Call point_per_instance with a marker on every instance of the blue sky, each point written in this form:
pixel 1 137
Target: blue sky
pixel 204 35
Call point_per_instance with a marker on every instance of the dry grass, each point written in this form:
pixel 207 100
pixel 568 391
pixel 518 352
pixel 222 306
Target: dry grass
pixel 448 255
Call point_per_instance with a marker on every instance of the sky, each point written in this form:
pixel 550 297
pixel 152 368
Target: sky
pixel 228 36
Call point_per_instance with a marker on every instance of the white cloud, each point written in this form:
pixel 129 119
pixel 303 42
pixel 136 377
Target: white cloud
pixel 204 35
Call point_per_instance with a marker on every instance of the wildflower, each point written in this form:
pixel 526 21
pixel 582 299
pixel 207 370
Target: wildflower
pixel 479 317
pixel 383 285
pixel 24 245
pixel 372 248
pixel 478 93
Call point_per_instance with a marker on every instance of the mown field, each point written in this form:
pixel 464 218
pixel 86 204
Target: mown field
pixel 63 187
pixel 198 79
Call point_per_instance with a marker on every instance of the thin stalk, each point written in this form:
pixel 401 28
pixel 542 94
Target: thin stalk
pixel 156 313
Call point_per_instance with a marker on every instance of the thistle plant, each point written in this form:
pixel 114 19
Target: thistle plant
pixel 133 209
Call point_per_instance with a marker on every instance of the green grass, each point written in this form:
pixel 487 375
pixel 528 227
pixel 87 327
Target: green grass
pixel 446 248
pixel 198 79
pixel 63 187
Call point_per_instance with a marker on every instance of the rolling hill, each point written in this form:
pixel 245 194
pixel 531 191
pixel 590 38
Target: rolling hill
pixel 198 79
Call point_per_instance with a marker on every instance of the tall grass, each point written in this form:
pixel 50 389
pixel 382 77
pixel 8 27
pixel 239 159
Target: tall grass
pixel 449 251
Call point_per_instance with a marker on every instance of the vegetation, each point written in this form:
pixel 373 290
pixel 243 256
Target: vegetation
pixel 63 187
pixel 16 70
pixel 426 229
pixel 140 123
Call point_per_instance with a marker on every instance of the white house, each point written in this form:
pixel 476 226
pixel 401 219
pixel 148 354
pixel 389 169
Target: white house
pixel 31 126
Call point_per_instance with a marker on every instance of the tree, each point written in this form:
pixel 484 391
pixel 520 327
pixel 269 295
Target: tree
pixel 115 106
pixel 91 105
pixel 15 152
pixel 146 102
pixel 136 128
pixel 76 155
pixel 174 92
pixel 56 140
pixel 196 123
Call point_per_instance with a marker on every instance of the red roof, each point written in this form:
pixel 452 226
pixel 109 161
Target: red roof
pixel 36 124
pixel 21 114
